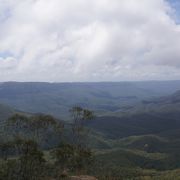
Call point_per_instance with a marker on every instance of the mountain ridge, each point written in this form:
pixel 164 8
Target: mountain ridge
pixel 103 97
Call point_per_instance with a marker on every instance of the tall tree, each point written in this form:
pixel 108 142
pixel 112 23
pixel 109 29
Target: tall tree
pixel 36 127
pixel 79 116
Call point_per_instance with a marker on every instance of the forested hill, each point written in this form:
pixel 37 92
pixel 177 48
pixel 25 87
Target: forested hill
pixel 5 112
pixel 142 141
pixel 156 116
pixel 57 98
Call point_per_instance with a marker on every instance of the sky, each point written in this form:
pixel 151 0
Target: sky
pixel 89 40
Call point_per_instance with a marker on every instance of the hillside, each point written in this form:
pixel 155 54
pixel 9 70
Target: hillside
pixel 141 140
pixel 163 104
pixel 146 136
pixel 135 124
pixel 5 112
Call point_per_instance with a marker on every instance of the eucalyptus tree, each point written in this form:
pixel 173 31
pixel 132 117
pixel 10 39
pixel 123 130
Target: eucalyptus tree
pixel 36 127
pixel 75 156
pixel 79 131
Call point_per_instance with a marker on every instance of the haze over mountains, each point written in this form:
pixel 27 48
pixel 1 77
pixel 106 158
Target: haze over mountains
pixel 123 108
pixel 103 98
pixel 137 124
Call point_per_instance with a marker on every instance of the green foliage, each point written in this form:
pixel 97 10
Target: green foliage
pixel 72 157
pixel 5 112
pixel 79 117
pixel 29 164
pixel 76 156
pixel 135 146
pixel 37 127
pixel 24 150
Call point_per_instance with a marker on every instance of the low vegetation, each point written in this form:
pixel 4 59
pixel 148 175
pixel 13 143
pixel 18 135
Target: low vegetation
pixel 27 155
pixel 139 146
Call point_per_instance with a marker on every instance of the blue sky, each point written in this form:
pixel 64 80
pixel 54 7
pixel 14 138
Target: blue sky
pixel 176 6
pixel 92 40
pixel 5 54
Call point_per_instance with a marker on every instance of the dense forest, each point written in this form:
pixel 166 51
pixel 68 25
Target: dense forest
pixel 139 142
pixel 40 146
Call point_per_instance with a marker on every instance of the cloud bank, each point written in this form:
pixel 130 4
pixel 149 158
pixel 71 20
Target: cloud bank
pixel 93 40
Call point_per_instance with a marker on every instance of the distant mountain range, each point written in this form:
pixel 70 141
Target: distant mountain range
pixel 137 123
pixel 145 136
pixel 103 98
pixel 155 116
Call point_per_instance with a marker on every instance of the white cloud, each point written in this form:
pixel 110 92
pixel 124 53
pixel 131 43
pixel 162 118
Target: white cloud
pixel 94 40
